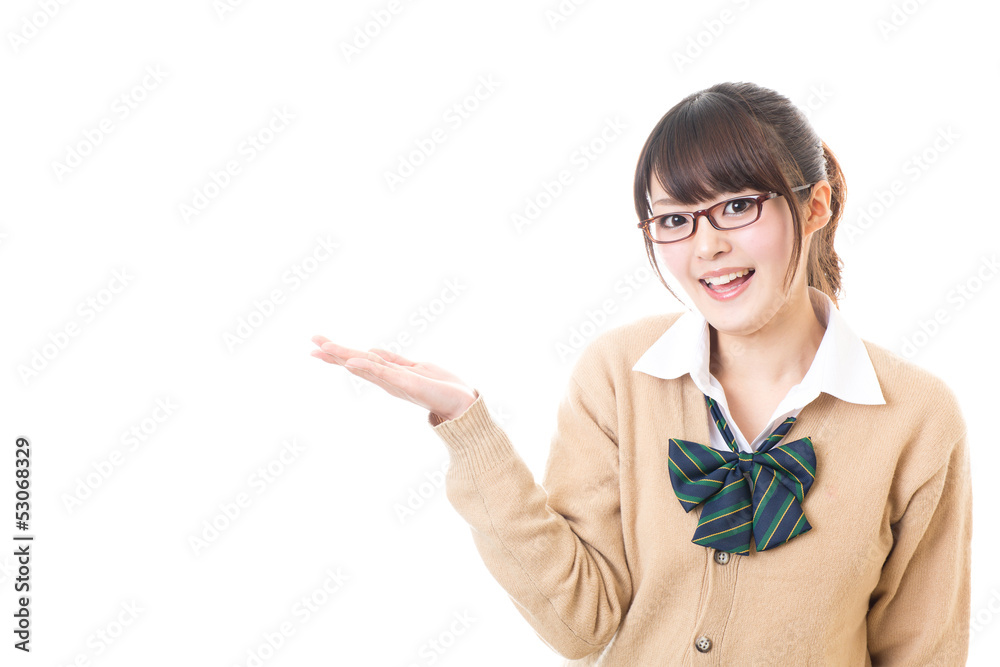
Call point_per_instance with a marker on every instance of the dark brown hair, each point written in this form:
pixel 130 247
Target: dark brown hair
pixel 736 136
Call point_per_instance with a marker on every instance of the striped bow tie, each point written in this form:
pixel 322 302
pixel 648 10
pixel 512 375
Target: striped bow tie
pixel 768 506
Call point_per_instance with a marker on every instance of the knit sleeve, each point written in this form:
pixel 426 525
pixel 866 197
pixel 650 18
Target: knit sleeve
pixel 919 611
pixel 557 550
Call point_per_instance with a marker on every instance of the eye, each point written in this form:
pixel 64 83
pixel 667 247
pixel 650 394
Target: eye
pixel 740 207
pixel 672 221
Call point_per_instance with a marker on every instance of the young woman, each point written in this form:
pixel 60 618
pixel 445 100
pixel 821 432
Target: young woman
pixel 748 483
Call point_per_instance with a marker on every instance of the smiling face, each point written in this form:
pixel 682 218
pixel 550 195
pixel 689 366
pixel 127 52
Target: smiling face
pixel 764 247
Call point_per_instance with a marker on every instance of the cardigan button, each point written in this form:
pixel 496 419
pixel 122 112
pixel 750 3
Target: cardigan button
pixel 721 557
pixel 703 644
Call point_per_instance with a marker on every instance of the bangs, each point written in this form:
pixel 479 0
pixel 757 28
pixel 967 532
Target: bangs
pixel 707 145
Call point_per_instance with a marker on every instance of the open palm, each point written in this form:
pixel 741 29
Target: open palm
pixel 421 383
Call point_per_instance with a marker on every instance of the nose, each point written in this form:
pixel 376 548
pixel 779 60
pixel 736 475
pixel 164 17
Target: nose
pixel 708 241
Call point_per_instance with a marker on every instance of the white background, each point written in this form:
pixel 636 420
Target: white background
pixel 877 97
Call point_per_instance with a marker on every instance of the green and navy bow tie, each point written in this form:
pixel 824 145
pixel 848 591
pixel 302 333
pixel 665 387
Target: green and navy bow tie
pixel 768 506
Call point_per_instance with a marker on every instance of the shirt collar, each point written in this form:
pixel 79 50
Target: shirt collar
pixel 841 366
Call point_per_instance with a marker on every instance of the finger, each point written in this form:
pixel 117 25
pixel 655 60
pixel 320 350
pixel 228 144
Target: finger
pixel 364 363
pixel 393 381
pixel 381 370
pixel 326 355
pixel 360 366
pixel 380 356
pixel 334 359
pixel 422 368
pixel 340 351
pixel 343 354
pixel 376 358
pixel 320 340
pixel 328 358
pixel 392 356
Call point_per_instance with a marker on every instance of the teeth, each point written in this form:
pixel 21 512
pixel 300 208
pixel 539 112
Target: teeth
pixel 722 280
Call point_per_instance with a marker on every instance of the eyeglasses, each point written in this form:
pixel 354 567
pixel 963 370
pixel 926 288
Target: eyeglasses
pixel 736 212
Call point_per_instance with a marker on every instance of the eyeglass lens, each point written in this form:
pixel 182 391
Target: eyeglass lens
pixel 727 215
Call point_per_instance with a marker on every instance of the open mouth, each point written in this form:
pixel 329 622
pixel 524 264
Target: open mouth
pixel 731 286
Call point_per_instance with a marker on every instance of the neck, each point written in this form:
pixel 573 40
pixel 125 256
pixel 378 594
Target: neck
pixel 778 353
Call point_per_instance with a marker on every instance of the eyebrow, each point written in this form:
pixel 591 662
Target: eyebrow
pixel 671 202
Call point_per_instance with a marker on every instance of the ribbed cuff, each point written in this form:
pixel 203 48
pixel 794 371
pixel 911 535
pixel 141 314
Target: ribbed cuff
pixel 475 442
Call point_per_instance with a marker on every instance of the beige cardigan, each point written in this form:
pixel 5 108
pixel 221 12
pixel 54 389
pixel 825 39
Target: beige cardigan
pixel 599 558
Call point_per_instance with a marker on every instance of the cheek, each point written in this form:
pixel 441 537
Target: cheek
pixel 671 260
pixel 767 246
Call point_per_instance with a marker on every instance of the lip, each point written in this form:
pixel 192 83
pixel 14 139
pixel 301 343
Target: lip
pixel 732 294
pixel 723 272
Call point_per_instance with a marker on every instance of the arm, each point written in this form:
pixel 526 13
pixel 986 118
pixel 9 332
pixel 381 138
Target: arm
pixel 559 554
pixel 919 611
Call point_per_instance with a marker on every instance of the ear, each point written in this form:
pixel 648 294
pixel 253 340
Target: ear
pixel 818 208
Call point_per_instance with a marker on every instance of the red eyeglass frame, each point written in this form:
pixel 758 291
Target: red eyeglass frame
pixel 644 225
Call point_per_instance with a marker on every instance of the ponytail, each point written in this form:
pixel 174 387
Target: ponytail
pixel 823 266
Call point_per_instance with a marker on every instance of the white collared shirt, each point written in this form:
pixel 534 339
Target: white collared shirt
pixel 841 368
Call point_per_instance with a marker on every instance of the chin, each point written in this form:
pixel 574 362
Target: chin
pixel 733 318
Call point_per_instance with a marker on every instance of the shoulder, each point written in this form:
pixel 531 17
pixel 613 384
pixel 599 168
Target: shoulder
pixel 922 427
pixel 917 396
pixel 614 352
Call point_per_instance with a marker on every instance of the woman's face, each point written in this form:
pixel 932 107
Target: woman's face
pixel 764 246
